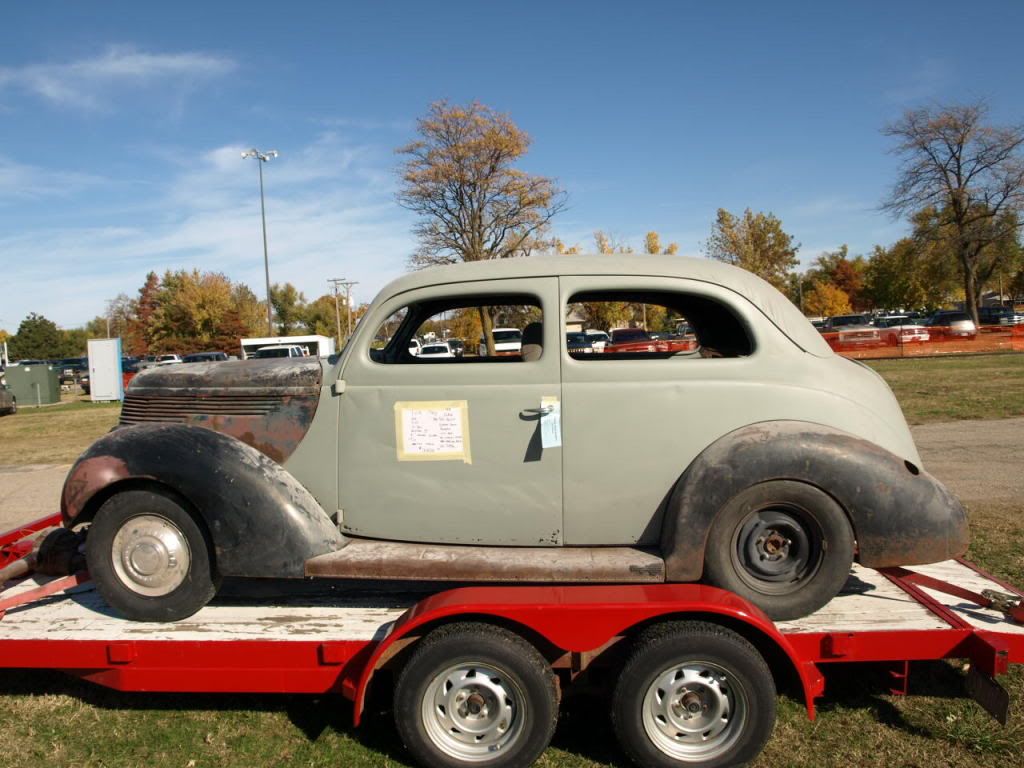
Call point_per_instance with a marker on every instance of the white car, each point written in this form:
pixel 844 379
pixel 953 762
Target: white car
pixel 507 341
pixel 900 329
pixel 414 347
pixel 279 350
pixel 437 349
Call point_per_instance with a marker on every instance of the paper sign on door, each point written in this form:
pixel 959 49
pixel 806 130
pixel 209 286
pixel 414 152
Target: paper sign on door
pixel 435 430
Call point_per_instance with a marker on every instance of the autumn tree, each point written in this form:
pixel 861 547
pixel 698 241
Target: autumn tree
pixel 826 300
pixel 289 307
pixel 459 178
pixel 970 173
pixel 756 242
pixel 847 274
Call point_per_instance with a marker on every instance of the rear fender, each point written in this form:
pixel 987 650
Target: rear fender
pixel 261 521
pixel 900 514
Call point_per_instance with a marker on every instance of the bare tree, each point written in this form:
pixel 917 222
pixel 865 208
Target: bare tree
pixel 970 173
pixel 458 176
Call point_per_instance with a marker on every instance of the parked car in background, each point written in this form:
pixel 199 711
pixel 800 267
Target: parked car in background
pixel 72 368
pixel 205 357
pixel 414 347
pixel 578 341
pixel 999 316
pixel 598 339
pixel 507 341
pixel 8 402
pixel 951 325
pixel 626 340
pixel 458 347
pixel 437 349
pixel 845 331
pixel 900 329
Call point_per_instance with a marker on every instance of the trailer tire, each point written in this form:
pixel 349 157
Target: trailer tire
pixel 448 720
pixel 149 558
pixel 784 545
pixel 721 713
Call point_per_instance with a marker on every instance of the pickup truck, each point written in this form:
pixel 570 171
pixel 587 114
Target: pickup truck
pixel 764 464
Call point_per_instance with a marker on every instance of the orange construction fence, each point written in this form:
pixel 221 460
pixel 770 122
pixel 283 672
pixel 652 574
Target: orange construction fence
pixel 875 343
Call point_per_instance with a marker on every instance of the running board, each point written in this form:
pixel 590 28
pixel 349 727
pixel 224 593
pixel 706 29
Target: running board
pixel 365 559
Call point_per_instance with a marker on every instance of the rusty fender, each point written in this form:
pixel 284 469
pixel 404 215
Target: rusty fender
pixel 900 514
pixel 261 521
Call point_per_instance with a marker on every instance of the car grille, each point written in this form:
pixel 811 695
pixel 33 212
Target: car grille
pixel 139 409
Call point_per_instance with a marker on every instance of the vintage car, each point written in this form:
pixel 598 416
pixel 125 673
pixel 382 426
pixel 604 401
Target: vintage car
pixel 639 340
pixel 895 330
pixel 764 464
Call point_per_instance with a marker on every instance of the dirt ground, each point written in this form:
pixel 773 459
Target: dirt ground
pixel 980 461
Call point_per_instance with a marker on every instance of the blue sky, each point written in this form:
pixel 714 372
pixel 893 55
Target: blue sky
pixel 123 124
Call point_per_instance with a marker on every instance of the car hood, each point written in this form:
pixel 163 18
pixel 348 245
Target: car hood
pixel 268 404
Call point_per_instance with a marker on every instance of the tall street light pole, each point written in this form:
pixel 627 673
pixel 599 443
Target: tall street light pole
pixel 261 158
pixel 336 281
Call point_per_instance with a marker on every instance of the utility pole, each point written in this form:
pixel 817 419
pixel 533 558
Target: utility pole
pixel 348 303
pixel 261 158
pixel 336 281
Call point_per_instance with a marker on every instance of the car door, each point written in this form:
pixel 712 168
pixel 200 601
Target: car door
pixel 449 450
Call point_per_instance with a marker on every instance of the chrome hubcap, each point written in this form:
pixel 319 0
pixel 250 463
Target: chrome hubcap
pixel 692 711
pixel 472 711
pixel 151 555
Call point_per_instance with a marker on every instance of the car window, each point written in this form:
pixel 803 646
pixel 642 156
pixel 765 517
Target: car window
pixel 654 325
pixel 484 329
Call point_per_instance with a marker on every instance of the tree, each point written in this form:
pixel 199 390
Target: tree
pixel 969 173
pixel 289 307
pixel 755 242
pixel 837 268
pixel 652 243
pixel 826 300
pixel 459 178
pixel 37 338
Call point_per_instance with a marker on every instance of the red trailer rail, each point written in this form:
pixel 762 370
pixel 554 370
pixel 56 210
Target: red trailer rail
pixel 689 658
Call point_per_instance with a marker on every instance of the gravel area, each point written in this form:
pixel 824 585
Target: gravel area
pixel 978 460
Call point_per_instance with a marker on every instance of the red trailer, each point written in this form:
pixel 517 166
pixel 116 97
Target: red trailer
pixel 478 671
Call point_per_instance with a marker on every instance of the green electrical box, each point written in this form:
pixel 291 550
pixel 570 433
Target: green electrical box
pixel 34 384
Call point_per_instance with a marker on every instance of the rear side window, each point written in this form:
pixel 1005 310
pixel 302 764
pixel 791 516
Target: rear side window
pixel 610 325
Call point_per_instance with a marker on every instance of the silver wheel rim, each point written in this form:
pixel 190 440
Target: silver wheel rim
pixel 473 711
pixel 694 712
pixel 151 555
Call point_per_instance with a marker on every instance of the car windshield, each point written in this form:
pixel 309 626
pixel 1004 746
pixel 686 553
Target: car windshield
pixel 576 339
pixel 265 353
pixel 505 337
pixel 849 320
pixel 434 349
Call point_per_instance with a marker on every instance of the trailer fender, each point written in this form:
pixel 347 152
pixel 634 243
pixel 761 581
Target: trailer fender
pixel 261 521
pixel 900 514
pixel 578 619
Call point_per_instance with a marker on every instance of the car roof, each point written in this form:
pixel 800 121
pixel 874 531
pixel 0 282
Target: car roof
pixel 776 307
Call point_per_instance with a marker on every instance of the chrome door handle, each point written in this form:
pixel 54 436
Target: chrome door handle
pixel 544 410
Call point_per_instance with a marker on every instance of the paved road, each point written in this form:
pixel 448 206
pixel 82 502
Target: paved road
pixel 978 460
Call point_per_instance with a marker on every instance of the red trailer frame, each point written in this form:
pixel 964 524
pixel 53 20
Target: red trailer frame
pixel 894 616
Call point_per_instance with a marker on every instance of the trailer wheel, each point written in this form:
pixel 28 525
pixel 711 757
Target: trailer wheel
pixel 475 694
pixel 149 558
pixel 693 693
pixel 786 546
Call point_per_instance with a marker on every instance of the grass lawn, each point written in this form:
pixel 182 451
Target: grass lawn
pixel 54 434
pixel 954 388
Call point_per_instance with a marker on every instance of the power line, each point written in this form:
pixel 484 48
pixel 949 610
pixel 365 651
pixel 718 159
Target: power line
pixel 347 284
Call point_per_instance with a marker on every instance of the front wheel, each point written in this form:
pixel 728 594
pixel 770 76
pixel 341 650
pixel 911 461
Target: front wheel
pixel 476 695
pixel 693 693
pixel 149 558
pixel 786 546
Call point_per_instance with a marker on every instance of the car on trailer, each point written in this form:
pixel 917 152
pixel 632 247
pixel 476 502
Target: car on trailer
pixel 750 456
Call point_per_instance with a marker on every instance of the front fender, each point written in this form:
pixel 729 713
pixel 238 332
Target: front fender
pixel 261 520
pixel 900 514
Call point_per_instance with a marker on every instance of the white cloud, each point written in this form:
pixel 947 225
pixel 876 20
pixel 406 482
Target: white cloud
pixel 330 213
pixel 26 182
pixel 88 83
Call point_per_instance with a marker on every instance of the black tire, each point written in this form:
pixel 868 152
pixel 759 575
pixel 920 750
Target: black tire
pixel 721 714
pixel 784 545
pixel 512 668
pixel 144 574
